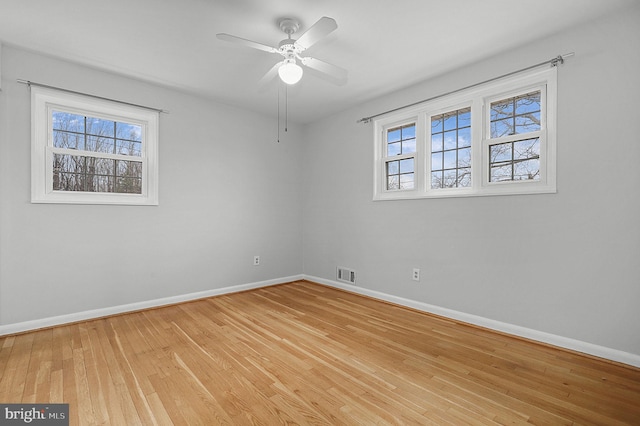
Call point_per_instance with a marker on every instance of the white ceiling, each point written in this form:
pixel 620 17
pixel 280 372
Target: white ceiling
pixel 385 45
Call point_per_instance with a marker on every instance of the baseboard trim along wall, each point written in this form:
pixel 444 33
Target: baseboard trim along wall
pixel 539 336
pixel 131 307
pixel 527 333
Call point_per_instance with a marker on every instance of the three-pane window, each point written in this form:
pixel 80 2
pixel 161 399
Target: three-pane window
pixel 495 139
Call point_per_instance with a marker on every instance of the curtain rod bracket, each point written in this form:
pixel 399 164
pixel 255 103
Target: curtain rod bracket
pixel 559 60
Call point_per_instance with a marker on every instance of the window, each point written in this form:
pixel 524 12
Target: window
pixel 451 149
pixel 401 148
pixel 92 151
pixel 515 125
pixel 495 139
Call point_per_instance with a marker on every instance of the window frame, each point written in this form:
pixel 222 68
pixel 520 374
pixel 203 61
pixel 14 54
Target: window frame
pixel 44 101
pixel 479 99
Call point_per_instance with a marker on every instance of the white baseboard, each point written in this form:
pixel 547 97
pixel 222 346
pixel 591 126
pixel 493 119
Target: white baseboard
pixel 539 336
pixel 130 307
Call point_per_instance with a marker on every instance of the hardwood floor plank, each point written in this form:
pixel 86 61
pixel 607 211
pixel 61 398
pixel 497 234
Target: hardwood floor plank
pixel 302 353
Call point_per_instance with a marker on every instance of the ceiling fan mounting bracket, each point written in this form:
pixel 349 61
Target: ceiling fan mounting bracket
pixel 289 25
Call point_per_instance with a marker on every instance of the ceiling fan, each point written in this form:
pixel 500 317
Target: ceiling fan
pixel 288 69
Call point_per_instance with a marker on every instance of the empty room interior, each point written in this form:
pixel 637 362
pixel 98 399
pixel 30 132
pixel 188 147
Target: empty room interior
pixel 320 212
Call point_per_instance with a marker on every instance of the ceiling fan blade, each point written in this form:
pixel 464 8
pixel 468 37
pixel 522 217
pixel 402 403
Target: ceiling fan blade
pixel 270 75
pixel 336 74
pixel 319 30
pixel 245 42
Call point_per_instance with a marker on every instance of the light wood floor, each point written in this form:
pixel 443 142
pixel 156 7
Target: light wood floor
pixel 302 353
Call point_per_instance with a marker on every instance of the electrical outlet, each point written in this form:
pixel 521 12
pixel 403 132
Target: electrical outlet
pixel 256 260
pixel 416 274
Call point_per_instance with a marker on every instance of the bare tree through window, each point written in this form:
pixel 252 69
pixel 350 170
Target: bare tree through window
pixel 516 158
pixel 89 171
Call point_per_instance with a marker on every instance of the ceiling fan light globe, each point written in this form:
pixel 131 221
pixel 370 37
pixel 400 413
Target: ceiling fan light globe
pixel 290 73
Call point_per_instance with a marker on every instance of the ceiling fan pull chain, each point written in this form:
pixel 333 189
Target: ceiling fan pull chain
pixel 278 113
pixel 286 108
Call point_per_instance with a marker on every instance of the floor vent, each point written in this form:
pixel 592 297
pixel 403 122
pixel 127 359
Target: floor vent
pixel 346 275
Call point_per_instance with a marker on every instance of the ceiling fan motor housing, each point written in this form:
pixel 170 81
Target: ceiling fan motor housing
pixel 289 25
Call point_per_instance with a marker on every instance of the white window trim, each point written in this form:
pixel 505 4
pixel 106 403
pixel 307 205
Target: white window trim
pixel 43 101
pixel 477 98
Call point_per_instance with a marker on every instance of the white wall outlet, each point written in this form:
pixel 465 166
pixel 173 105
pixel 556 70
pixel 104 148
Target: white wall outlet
pixel 256 260
pixel 416 274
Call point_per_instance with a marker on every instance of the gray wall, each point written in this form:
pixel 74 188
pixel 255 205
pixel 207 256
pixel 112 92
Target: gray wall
pixel 228 191
pixel 565 263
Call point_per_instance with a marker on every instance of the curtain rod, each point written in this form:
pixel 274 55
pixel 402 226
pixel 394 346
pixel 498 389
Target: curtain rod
pixel 558 60
pixel 31 83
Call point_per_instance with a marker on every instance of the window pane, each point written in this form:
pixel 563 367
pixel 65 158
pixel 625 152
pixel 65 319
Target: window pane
pixel 436 161
pixel 464 137
pixel 525 149
pixel 99 144
pixel 393 167
pixel 105 135
pixel 100 166
pixel 67 140
pixel 529 122
pixel 436 180
pixel 449 180
pixel 436 142
pixel 93 174
pixel 500 152
pixel 128 185
pixel 406 181
pixel 450 160
pixel 436 124
pixel 104 183
pixel 409 146
pixel 450 121
pixel 464 157
pixel 517 115
pixel 409 132
pixel 67 121
pixel 518 160
pixel 528 103
pixel 450 139
pixel 127 147
pixel 527 170
pixel 464 118
pixel 464 177
pixel 128 131
pixel 501 109
pixel 393 182
pixel 129 168
pixel 401 140
pixel 502 128
pixel 406 166
pixel 400 174
pixel 500 173
pixel 393 135
pixel 100 127
pixel 394 149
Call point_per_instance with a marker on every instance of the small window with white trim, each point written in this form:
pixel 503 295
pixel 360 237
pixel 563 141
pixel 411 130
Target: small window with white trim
pixel 87 150
pixel 494 139
pixel 400 157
